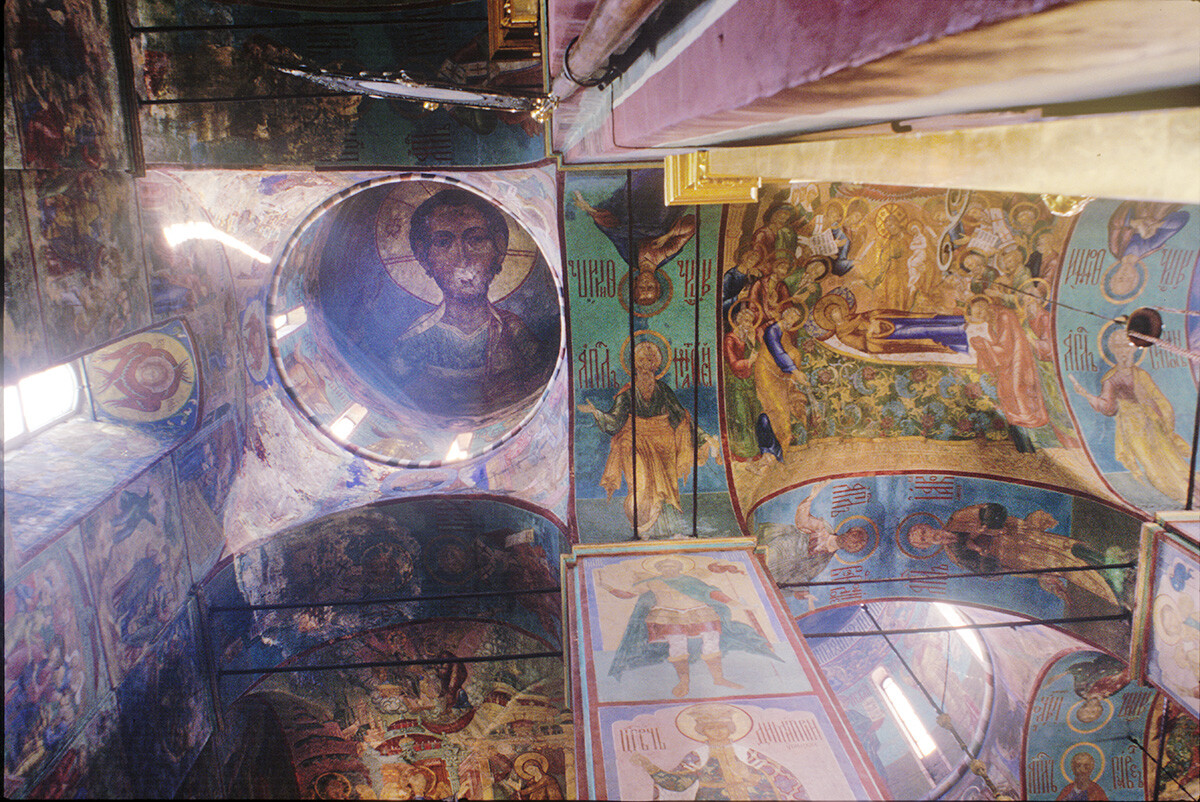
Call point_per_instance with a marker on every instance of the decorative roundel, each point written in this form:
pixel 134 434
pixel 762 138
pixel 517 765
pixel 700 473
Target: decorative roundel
pixel 415 321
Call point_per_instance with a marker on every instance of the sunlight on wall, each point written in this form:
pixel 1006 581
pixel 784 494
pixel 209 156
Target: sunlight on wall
pixel 177 233
pixel 956 620
pixel 288 322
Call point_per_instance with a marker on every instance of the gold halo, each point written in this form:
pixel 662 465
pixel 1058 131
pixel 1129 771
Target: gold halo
pixel 685 722
pixel 826 266
pixel 885 213
pixel 874 544
pixel 664 298
pixel 650 562
pixel 968 316
pixel 391 239
pixel 1099 723
pixel 748 304
pixel 665 350
pixel 1102 344
pixel 833 204
pixel 900 540
pixel 1098 759
pixel 820 313
pixel 1108 274
pixel 524 760
pixel 1036 281
pixel 1016 207
pixel 334 774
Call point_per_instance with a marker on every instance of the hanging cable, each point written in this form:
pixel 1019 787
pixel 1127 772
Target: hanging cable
pixel 978 768
pixel 1125 616
pixel 1158 765
pixel 1064 569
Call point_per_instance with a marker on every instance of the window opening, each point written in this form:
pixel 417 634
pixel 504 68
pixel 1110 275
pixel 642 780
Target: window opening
pixel 39 401
pixel 288 322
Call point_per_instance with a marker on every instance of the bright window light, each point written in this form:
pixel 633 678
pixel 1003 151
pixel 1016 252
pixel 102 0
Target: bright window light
pixel 287 323
pixel 969 636
pixel 348 421
pixel 177 233
pixel 902 710
pixel 458 448
pixel 39 400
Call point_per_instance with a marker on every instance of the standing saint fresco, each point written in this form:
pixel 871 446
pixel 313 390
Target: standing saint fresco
pixel 799 553
pixel 741 348
pixel 665 449
pixel 655 235
pixel 1136 230
pixel 1008 356
pixel 774 377
pixel 1145 441
pixel 672 608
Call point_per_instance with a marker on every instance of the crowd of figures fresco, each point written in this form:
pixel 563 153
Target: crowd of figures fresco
pixel 480 730
pixel 466 722
pixel 854 313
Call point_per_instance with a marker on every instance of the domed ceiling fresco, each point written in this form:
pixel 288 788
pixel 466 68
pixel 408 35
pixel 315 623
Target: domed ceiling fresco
pixel 436 321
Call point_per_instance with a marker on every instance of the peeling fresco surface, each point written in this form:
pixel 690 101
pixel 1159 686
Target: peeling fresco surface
pixel 87 255
pixel 287 121
pixel 137 562
pixel 65 101
pixel 362 561
pixel 53 666
pixel 493 729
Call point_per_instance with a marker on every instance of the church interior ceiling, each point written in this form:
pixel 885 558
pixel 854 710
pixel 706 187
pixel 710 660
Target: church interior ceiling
pixel 299 536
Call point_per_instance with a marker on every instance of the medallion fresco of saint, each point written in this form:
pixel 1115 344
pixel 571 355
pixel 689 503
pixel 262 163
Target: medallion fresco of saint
pixel 427 319
pixel 468 354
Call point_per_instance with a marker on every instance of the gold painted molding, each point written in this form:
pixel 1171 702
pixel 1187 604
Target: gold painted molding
pixel 1150 155
pixel 686 182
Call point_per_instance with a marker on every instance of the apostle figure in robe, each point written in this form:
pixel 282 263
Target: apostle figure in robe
pixel 666 448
